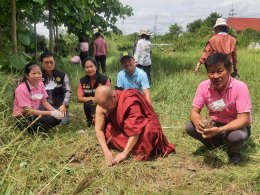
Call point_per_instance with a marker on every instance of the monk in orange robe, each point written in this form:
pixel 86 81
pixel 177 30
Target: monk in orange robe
pixel 126 121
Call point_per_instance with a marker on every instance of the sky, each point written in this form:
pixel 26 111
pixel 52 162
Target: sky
pixel 158 15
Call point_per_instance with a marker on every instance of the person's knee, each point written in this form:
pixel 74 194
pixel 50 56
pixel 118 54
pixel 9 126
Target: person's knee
pixel 190 128
pixel 237 136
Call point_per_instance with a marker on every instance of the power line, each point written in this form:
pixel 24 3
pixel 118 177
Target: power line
pixel 232 12
pixel 155 24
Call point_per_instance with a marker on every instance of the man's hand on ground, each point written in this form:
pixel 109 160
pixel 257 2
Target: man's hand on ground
pixel 119 157
pixel 109 158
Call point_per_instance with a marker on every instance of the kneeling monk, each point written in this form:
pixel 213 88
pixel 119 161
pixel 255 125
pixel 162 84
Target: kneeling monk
pixel 126 121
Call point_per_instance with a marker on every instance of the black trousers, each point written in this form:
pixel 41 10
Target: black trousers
pixel 90 111
pixel 42 124
pixel 147 70
pixel 234 140
pixel 101 60
pixel 83 55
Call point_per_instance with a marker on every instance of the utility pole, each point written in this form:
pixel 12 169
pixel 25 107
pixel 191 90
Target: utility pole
pixel 123 26
pixel 155 25
pixel 232 12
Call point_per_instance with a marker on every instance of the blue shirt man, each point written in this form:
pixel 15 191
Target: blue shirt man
pixel 132 77
pixel 138 80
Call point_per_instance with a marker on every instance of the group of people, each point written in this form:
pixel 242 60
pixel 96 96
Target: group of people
pixel 100 50
pixel 124 118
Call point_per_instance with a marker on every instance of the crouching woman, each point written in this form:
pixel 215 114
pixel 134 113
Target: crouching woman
pixel 29 94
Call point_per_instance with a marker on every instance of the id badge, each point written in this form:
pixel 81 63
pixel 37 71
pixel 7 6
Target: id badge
pixel 37 96
pixel 218 105
pixel 51 85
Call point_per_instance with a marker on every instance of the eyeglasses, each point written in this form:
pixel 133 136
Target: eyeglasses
pixel 48 62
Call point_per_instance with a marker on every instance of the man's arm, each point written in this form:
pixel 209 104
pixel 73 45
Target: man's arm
pixel 99 127
pixel 240 122
pixel 147 95
pixel 132 140
pixel 94 49
pixel 195 118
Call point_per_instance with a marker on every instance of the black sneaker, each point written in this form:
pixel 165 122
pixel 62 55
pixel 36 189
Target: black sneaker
pixel 234 158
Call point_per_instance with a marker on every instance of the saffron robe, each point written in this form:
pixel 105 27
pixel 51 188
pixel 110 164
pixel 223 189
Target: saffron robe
pixel 134 115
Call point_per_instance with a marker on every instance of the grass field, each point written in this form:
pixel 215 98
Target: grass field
pixel 58 162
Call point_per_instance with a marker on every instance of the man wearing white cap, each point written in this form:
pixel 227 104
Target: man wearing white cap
pixel 142 54
pixel 222 42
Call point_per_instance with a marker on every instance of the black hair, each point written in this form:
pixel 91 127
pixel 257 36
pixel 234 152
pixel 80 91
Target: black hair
pixel 217 58
pixel 82 39
pixel 97 34
pixel 28 69
pixel 144 36
pixel 221 28
pixel 46 54
pixel 89 58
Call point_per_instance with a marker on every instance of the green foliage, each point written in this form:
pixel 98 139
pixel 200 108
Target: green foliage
pixel 41 164
pixel 211 19
pixel 248 36
pixel 15 61
pixel 175 29
pixel 194 26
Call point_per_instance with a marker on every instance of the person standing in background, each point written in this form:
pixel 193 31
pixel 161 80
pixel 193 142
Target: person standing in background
pixel 222 42
pixel 142 54
pixel 84 46
pixel 100 49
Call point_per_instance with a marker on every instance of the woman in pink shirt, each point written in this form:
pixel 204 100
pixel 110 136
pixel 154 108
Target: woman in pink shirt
pixel 29 94
pixel 229 106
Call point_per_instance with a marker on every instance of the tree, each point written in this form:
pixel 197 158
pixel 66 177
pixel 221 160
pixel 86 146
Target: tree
pixel 194 26
pixel 175 29
pixel 14 36
pixel 211 19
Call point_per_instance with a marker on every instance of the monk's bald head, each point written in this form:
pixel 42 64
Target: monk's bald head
pixel 104 96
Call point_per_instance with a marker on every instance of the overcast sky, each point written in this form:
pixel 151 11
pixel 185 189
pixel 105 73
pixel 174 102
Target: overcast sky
pixel 158 15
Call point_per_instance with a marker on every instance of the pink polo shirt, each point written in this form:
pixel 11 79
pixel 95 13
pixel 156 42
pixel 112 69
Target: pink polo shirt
pixel 101 46
pixel 235 96
pixel 23 97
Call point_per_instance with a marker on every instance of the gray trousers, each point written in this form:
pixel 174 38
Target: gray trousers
pixel 233 140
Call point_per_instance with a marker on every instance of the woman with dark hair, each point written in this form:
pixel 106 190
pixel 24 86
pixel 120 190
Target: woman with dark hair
pixel 143 53
pixel 87 87
pixel 222 42
pixel 29 94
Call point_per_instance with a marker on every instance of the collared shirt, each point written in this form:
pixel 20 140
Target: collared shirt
pixel 23 97
pixel 235 96
pixel 143 52
pixel 138 80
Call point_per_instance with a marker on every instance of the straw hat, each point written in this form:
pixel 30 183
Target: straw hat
pixel 145 31
pixel 220 22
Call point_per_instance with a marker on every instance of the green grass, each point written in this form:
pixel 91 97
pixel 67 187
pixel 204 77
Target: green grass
pixel 41 164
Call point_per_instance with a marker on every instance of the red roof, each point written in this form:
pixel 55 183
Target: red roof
pixel 240 24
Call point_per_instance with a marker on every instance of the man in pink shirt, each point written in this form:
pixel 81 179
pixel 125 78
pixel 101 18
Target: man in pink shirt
pixel 229 106
pixel 100 51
